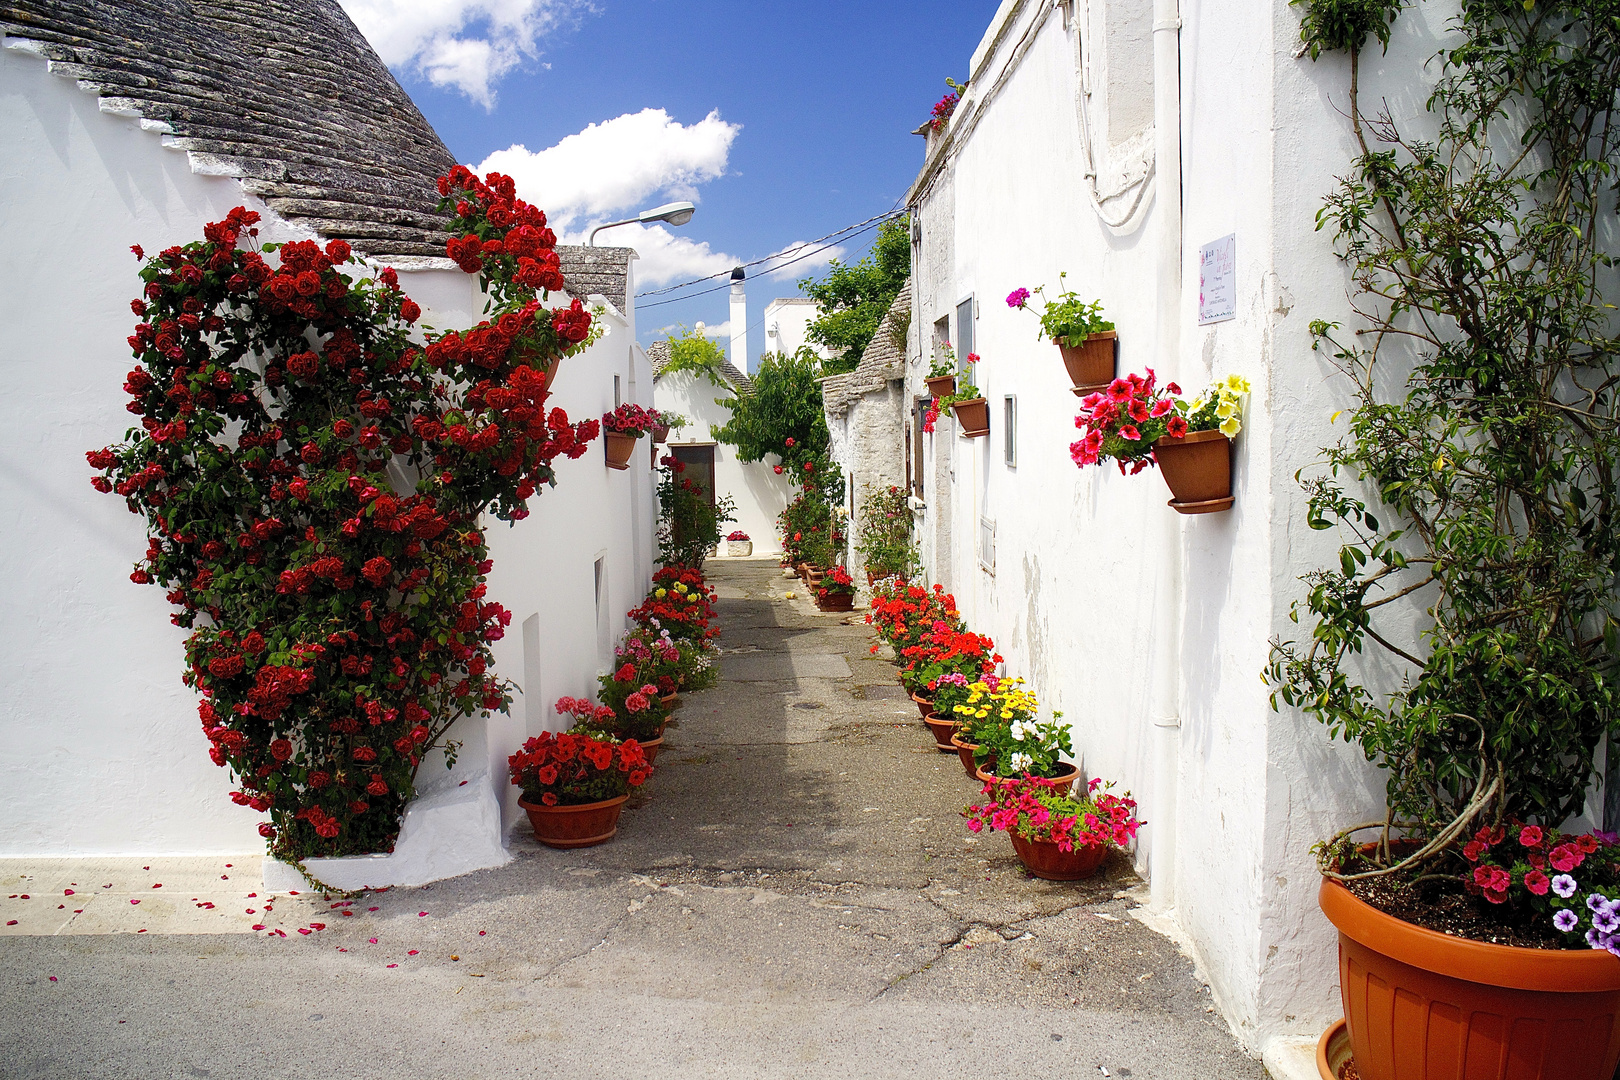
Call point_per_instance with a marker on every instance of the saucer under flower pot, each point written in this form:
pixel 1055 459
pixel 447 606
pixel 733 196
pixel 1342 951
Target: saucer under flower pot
pixel 1198 469
pixel 618 447
pixel 943 728
pixel 974 417
pixel 581 825
pixel 1092 363
pixel 1045 860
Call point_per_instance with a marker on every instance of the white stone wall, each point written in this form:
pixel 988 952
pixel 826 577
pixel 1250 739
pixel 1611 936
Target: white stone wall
pixel 101 752
pixel 758 490
pixel 1094 576
pixel 787 323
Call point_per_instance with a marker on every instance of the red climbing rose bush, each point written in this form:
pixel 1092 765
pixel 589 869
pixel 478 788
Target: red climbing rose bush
pixel 312 477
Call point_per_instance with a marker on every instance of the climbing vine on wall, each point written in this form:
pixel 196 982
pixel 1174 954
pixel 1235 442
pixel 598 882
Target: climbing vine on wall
pixel 312 478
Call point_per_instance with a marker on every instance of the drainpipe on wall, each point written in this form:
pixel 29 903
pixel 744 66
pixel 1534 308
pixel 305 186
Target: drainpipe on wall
pixel 1166 701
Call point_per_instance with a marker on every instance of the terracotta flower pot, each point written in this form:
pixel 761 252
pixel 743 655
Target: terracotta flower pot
pixel 1423 1005
pixel 651 748
pixel 925 705
pixel 618 447
pixel 584 825
pixel 942 727
pixel 1061 782
pixel 1333 1051
pixel 966 751
pixel 814 576
pixel 1045 859
pixel 836 602
pixel 944 386
pixel 1091 363
pixel 660 432
pixel 1198 468
pixel 670 700
pixel 974 416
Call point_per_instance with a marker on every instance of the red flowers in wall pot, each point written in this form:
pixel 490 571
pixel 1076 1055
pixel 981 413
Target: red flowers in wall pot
pixel 312 476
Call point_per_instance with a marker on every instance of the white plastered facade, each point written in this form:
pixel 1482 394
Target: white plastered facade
pixel 101 752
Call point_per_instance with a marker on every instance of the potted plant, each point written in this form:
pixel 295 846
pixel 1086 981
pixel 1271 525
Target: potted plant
pixel 971 410
pixel 620 430
pixel 883 540
pixel 1086 340
pixel 1058 836
pixel 1475 564
pixel 945 651
pixel 941 378
pixel 836 591
pixel 574 785
pixel 665 421
pixel 1138 423
pixel 688 523
pixel 1015 742
pixel 632 693
pixel 738 544
pixel 680 603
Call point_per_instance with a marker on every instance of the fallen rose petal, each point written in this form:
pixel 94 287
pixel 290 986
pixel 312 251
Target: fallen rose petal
pixel 53 978
pixel 292 892
pixel 393 965
pixel 134 901
pixel 317 926
pixel 301 930
pixel 258 926
pixel 159 885
pixel 11 922
pixel 140 931
pixel 372 940
pixel 250 911
pixel 371 909
pixel 67 892
pixel 481 933
pixel 411 953
pixel 346 913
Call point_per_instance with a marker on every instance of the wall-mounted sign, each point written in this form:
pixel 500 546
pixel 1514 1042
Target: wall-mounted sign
pixel 1217 281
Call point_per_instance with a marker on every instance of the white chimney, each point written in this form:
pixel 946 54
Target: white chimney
pixel 739 322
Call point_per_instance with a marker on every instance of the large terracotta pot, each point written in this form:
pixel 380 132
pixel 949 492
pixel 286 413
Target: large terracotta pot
pixel 974 416
pixel 966 750
pixel 942 727
pixel 1091 363
pixel 1198 468
pixel 651 748
pixel 1045 859
pixel 944 386
pixel 584 825
pixel 1422 1005
pixel 1062 782
pixel 618 447
pixel 925 705
pixel 836 602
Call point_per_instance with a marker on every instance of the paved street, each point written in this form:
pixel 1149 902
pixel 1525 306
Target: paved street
pixel 794 895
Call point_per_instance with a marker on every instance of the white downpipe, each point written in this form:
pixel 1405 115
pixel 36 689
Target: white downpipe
pixel 1166 671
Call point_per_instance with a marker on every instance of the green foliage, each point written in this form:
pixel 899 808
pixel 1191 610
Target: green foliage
pixel 854 298
pixel 783 416
pixel 690 350
pixel 1068 320
pixel 1343 25
pixel 1485 420
pixel 884 535
pixel 688 523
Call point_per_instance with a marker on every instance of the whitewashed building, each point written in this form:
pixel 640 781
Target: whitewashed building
pixel 122 125
pixel 866 412
pixel 758 490
pixel 787 325
pixel 1121 143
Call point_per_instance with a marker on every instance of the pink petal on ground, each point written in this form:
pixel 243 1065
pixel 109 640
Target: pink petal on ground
pixel 411 953
pixel 301 930
pixel 53 978
pixel 258 926
pixel 372 940
pixel 11 922
pixel 159 885
pixel 420 914
pixel 134 901
pixel 317 926
pixel 393 965
pixel 67 892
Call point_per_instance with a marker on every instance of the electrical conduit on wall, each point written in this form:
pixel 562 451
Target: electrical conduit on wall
pixel 1165 704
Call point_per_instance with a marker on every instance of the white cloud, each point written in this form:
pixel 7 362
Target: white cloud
pixel 618 165
pixel 664 257
pixel 723 330
pixel 465 44
pixel 799 260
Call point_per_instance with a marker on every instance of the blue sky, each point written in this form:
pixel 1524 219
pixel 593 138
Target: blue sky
pixel 783 122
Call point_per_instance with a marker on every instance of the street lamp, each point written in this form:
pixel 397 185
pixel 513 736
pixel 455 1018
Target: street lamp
pixel 676 213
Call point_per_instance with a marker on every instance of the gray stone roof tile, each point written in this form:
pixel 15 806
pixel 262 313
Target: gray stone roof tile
pixel 884 359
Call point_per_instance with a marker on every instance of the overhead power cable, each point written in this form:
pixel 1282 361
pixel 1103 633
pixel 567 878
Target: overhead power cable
pixel 802 250
pixel 808 250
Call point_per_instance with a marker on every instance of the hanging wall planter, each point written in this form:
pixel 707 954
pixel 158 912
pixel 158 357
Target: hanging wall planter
pixel 1425 1005
pixel 941 386
pixel 618 449
pixel 1092 363
pixel 1198 468
pixel 974 416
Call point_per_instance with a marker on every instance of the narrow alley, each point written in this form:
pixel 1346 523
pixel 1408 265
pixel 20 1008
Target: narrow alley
pixel 793 894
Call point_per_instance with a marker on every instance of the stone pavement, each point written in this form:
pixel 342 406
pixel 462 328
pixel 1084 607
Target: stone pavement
pixel 793 895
